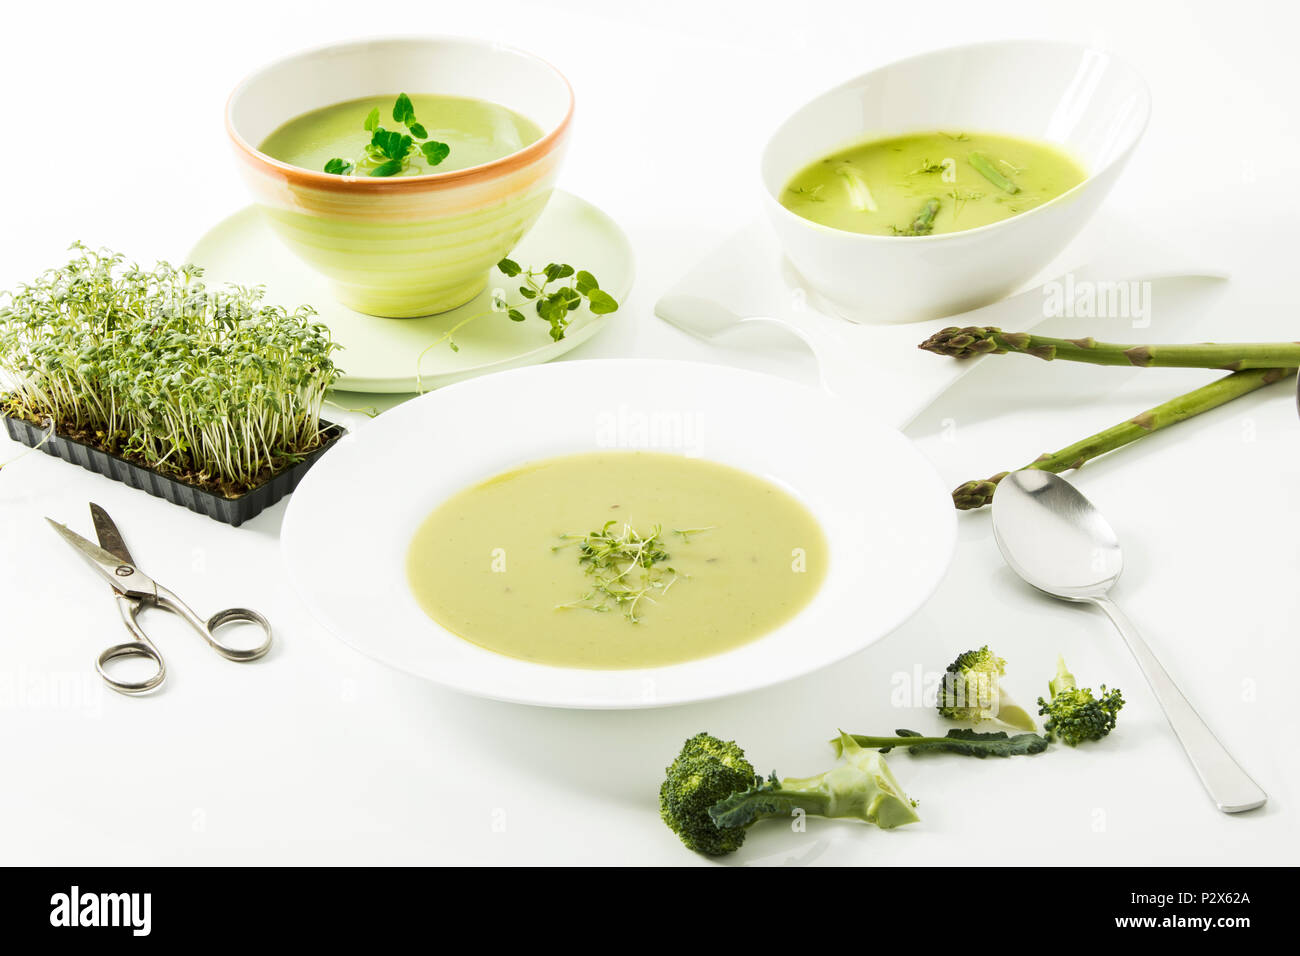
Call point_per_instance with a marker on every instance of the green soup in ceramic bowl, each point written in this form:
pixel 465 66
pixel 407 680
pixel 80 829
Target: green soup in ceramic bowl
pixel 486 128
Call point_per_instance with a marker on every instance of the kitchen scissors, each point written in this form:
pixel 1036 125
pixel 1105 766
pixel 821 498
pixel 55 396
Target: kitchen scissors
pixel 135 591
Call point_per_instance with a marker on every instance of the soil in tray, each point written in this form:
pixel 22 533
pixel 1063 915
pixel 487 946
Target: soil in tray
pixel 112 445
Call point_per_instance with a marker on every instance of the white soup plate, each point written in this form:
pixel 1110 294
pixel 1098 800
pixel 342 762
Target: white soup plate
pixel 887 517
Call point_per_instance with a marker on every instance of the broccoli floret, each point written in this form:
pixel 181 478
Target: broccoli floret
pixel 711 793
pixel 1074 714
pixel 971 691
pixel 706 771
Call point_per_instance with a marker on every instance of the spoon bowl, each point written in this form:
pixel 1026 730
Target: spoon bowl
pixel 1053 537
pixel 1057 540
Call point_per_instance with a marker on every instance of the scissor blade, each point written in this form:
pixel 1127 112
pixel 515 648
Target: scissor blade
pixel 110 539
pixel 109 565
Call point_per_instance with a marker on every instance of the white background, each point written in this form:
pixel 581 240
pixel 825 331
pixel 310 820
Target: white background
pixel 112 134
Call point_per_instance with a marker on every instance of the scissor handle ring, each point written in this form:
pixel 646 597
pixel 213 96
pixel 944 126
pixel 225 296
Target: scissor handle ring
pixel 233 615
pixel 131 649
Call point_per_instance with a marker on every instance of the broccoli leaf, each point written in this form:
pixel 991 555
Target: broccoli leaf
pixel 762 799
pixel 968 743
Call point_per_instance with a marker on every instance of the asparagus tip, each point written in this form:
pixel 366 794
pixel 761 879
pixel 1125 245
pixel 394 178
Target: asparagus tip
pixel 970 495
pixel 963 342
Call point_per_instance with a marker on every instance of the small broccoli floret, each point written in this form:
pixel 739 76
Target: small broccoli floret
pixel 862 787
pixel 970 691
pixel 1074 714
pixel 706 771
pixel 711 794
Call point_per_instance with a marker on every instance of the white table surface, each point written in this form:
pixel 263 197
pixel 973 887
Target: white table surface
pixel 318 755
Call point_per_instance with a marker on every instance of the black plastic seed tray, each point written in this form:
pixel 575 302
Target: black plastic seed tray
pixel 231 511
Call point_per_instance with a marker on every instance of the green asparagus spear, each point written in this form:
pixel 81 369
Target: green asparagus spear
pixel 923 224
pixel 976 494
pixel 860 197
pixel 990 172
pixel 990 340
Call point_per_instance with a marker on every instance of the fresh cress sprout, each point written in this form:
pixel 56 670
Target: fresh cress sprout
pixel 215 388
pixel 930 167
pixel 626 567
pixel 389 152
pixel 49 433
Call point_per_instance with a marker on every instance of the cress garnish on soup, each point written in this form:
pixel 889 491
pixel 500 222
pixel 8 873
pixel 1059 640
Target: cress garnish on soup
pixel 617 560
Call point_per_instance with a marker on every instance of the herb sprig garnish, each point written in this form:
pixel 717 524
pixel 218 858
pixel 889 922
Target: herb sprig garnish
pixel 554 302
pixel 389 152
pixel 551 297
pixel 626 567
pixel 928 166
pixel 809 193
pixel 961 197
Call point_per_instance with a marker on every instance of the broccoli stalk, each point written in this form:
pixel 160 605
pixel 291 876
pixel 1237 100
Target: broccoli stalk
pixel 970 691
pixel 711 794
pixel 1074 714
pixel 862 787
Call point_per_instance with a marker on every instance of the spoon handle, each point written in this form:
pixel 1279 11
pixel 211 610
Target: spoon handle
pixel 1229 786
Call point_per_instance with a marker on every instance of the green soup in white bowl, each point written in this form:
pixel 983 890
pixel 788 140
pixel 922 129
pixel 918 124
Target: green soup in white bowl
pixel 941 183
pixel 403 169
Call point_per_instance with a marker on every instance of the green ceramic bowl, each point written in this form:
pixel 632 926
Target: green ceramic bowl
pixel 411 245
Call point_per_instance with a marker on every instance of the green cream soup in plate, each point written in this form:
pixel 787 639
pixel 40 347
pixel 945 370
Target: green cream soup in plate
pixel 925 184
pixel 475 132
pixel 617 560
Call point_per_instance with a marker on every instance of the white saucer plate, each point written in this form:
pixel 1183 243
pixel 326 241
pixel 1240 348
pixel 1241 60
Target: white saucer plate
pixel 381 355
pixel 888 519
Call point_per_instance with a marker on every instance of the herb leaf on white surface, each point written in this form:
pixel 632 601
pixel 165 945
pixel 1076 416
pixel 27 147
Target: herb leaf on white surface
pixel 552 293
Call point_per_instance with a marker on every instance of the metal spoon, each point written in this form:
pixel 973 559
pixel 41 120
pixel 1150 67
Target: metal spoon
pixel 1054 538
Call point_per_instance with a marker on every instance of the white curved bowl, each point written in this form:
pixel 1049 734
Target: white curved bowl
pixel 887 517
pixel 1089 102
